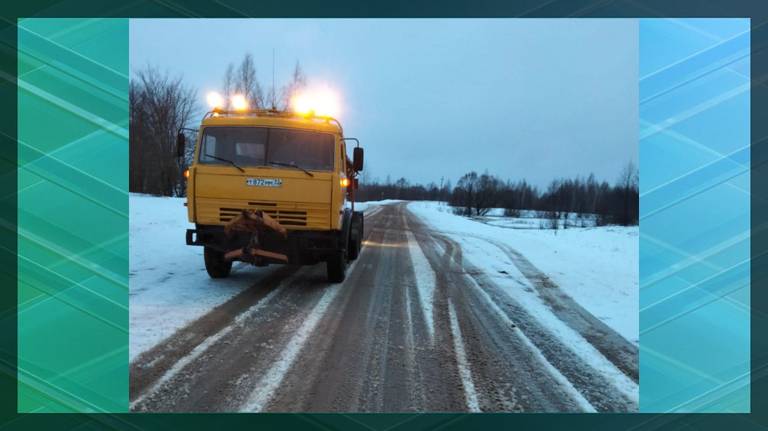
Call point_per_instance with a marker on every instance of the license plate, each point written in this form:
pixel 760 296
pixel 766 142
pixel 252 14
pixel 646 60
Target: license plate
pixel 264 182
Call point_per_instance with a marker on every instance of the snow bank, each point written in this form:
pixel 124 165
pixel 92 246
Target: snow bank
pixel 597 266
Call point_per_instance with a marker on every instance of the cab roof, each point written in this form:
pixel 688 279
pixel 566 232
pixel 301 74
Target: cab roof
pixel 269 118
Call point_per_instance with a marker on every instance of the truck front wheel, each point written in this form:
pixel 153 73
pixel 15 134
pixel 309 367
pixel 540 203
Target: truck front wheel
pixel 337 267
pixel 215 264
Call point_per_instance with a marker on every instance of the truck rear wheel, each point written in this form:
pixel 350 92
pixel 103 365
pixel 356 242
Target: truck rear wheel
pixel 215 264
pixel 336 266
pixel 355 238
pixel 354 245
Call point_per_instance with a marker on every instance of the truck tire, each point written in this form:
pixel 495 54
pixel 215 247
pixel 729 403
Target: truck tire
pixel 336 266
pixel 353 249
pixel 361 230
pixel 355 237
pixel 215 264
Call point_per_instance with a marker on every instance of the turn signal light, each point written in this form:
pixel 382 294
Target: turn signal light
pixel 344 182
pixel 186 173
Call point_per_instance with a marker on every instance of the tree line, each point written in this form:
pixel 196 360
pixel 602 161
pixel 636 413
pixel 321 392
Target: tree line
pixel 476 194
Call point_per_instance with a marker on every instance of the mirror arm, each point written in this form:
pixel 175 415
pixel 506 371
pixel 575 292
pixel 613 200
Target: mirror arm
pixel 357 141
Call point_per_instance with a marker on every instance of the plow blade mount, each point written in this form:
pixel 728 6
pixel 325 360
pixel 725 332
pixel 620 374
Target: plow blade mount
pixel 255 222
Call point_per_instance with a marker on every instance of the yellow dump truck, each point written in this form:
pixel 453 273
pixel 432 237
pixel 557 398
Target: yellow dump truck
pixel 287 172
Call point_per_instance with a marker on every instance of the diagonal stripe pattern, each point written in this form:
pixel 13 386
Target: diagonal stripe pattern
pixel 73 215
pixel 694 215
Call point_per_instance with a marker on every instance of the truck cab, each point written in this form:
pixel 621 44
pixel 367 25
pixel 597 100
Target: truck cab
pixel 292 168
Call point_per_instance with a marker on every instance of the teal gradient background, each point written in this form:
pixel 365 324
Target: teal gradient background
pixel 73 215
pixel 694 215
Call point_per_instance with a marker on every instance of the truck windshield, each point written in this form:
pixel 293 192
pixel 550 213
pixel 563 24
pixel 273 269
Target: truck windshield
pixel 266 146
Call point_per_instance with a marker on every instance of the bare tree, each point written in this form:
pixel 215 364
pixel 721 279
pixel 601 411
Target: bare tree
pixel 297 82
pixel 246 82
pixel 487 195
pixel 160 106
pixel 464 195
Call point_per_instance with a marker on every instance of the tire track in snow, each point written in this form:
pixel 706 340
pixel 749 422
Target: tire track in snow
pixel 582 384
pixel 611 345
pixel 461 359
pixel 518 379
pixel 206 344
pixel 588 338
pixel 274 376
pixel 161 377
pixel 270 382
pixel 561 328
pixel 151 365
pixel 425 282
pixel 551 369
pixel 369 353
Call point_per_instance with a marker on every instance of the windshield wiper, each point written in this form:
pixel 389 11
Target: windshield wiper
pixel 292 165
pixel 226 160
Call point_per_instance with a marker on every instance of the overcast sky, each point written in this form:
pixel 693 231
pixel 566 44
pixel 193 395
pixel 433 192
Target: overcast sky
pixel 533 98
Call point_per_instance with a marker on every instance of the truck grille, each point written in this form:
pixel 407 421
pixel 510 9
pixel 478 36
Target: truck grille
pixel 283 216
pixel 293 215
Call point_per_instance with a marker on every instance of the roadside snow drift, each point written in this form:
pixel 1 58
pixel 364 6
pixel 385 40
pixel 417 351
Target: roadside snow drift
pixel 597 266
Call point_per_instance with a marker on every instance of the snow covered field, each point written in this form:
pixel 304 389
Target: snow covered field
pixel 528 219
pixel 597 266
pixel 168 285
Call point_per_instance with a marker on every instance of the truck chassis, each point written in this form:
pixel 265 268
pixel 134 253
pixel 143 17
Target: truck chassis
pixel 257 239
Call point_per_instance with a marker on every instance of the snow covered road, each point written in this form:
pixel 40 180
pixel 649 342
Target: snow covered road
pixel 428 319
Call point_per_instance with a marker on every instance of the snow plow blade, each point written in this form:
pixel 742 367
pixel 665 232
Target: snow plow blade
pixel 255 222
pixel 239 253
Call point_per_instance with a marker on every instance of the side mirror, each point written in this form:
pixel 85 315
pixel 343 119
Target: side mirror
pixel 181 142
pixel 357 159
